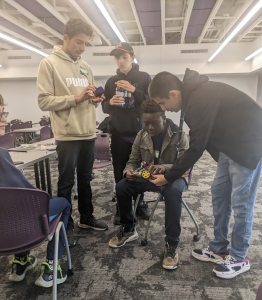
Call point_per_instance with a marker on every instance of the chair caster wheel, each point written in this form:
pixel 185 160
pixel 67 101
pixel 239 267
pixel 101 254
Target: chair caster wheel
pixel 143 242
pixel 70 272
pixel 75 197
pixel 196 237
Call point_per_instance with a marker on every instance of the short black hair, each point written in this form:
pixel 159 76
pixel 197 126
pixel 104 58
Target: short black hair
pixel 77 26
pixel 151 107
pixel 163 83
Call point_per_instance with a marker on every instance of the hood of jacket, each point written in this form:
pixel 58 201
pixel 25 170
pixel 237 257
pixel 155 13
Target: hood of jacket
pixel 57 50
pixel 191 81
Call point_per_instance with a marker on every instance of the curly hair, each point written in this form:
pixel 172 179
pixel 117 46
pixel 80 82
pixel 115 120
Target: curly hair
pixel 77 26
pixel 151 107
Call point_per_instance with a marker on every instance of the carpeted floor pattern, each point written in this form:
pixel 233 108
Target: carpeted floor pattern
pixel 134 271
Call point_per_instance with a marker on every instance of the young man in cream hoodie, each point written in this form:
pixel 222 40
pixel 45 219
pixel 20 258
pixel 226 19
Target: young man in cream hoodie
pixel 65 86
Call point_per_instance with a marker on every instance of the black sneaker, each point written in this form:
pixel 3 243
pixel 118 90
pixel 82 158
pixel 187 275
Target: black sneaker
pixel 71 238
pixel 93 223
pixel 117 216
pixel 142 211
pixel 19 268
pixel 46 276
pixel 170 260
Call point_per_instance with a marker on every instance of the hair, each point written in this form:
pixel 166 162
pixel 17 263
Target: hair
pixel 2 103
pixel 76 26
pixel 118 55
pixel 151 107
pixel 162 84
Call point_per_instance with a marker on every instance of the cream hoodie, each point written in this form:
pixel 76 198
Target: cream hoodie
pixel 59 80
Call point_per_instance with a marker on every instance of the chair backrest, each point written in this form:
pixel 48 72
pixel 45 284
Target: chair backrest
pixel 102 147
pixel 15 121
pixel 7 141
pixel 21 125
pixel 45 133
pixel 44 121
pixel 24 219
pixel 7 127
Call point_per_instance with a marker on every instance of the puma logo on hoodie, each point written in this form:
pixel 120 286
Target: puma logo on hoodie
pixel 83 82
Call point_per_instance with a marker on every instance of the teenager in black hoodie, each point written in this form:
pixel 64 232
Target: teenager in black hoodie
pixel 228 124
pixel 125 116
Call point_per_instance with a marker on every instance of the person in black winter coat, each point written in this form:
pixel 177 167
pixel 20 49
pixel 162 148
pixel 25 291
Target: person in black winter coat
pixel 124 110
pixel 228 124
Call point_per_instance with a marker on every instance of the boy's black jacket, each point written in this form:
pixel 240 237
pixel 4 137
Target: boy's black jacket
pixel 221 119
pixel 126 121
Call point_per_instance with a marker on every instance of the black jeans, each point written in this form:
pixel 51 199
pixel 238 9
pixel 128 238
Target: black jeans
pixel 172 193
pixel 77 155
pixel 120 151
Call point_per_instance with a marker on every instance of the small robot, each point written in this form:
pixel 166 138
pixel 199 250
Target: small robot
pixel 144 171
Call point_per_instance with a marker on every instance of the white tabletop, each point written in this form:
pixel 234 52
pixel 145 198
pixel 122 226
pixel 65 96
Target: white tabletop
pixel 29 130
pixel 33 156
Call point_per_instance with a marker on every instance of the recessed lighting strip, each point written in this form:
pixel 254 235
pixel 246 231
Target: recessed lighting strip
pixel 23 45
pixel 252 12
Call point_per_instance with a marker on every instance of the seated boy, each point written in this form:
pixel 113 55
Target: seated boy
pixel 156 145
pixel 10 176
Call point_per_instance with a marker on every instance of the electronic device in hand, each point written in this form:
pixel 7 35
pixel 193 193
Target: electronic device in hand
pixel 99 91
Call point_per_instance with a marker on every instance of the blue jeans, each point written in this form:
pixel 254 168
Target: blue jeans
pixel 76 155
pixel 57 206
pixel 234 188
pixel 172 193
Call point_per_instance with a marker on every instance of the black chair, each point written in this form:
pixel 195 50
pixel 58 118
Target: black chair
pixel 160 198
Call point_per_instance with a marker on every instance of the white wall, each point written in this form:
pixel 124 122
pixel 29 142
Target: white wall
pixel 21 95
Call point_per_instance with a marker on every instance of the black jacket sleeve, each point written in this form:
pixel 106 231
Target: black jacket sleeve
pixel 106 107
pixel 141 95
pixel 202 111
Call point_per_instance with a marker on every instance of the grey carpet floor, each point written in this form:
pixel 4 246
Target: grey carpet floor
pixel 134 271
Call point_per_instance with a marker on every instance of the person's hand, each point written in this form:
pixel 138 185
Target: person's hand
pixel 98 99
pixel 86 94
pixel 117 100
pixel 157 169
pixel 159 180
pixel 125 85
pixel 132 175
pixel 185 175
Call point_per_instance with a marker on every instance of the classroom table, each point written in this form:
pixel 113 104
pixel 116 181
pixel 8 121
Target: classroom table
pixel 39 158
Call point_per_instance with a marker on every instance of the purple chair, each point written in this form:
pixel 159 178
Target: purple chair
pixel 21 125
pixel 7 141
pixel 259 293
pixel 44 121
pixel 45 133
pixel 24 223
pixel 7 127
pixel 102 151
pixel 15 121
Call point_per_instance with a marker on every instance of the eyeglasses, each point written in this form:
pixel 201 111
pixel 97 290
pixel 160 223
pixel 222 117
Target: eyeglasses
pixel 4 113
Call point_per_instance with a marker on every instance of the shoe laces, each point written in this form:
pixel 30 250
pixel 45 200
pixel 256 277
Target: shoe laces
pixel 170 250
pixel 120 232
pixel 51 268
pixel 229 260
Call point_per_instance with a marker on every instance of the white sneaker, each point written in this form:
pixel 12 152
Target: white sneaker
pixel 206 254
pixel 231 267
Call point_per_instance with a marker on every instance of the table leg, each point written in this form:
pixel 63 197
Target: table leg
pixel 37 182
pixel 42 174
pixel 48 177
